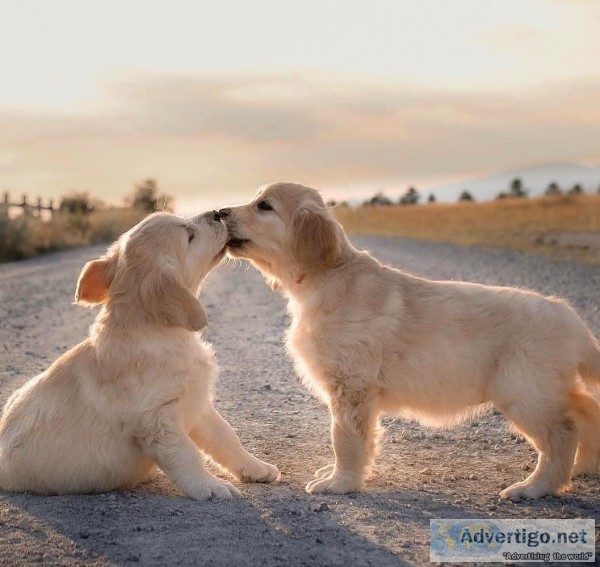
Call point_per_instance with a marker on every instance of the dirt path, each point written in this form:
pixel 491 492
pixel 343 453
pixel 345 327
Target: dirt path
pixel 277 419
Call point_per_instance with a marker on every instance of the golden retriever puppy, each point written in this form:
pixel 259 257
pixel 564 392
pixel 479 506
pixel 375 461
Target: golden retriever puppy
pixel 137 392
pixel 370 339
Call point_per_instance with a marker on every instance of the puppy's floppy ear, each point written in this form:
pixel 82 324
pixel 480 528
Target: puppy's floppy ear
pixel 315 244
pixel 95 279
pixel 170 303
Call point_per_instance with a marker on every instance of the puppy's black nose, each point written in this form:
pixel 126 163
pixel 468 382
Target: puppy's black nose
pixel 222 214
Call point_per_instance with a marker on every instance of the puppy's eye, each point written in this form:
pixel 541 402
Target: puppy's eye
pixel 264 206
pixel 191 234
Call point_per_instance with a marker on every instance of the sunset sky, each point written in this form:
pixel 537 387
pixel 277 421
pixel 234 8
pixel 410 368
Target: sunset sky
pixel 215 98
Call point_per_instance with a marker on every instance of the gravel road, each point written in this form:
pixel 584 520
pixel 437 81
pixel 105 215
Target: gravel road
pixel 421 474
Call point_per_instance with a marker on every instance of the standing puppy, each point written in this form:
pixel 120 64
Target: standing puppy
pixel 137 392
pixel 371 339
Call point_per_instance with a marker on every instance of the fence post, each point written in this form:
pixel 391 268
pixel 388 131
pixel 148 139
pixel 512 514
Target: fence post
pixel 35 208
pixel 5 204
pixel 25 206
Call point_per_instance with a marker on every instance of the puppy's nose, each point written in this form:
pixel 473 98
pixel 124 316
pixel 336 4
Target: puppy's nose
pixel 222 214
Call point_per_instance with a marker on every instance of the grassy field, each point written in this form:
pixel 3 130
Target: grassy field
pixel 26 236
pixel 565 226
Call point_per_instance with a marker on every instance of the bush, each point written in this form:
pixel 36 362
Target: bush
pixel 147 197
pixel 27 236
pixel 378 200
pixel 577 189
pixel 79 221
pixel 411 197
pixel 108 225
pixel 78 204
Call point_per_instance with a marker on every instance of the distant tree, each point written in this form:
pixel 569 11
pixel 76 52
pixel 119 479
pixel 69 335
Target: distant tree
pixel 378 200
pixel 516 189
pixel 411 197
pixel 577 189
pixel 553 189
pixel 147 197
pixel 431 198
pixel 466 196
pixel 78 203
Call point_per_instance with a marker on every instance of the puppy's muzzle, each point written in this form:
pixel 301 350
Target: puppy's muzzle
pixel 235 241
pixel 210 217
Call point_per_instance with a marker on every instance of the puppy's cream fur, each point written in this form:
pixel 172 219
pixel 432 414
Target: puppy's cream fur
pixel 370 339
pixel 137 392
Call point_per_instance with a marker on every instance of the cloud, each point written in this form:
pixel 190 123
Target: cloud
pixel 213 108
pixel 222 136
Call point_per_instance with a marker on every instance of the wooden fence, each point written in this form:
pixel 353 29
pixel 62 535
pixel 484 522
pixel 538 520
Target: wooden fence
pixel 28 208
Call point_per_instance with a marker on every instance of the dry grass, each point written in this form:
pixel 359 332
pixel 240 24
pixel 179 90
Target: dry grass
pixel 562 226
pixel 28 236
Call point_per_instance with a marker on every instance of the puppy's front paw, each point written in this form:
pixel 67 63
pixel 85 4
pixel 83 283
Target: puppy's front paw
pixel 258 471
pixel 335 484
pixel 212 487
pixel 325 472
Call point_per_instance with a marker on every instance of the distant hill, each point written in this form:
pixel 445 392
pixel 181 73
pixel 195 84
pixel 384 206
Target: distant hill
pixel 535 179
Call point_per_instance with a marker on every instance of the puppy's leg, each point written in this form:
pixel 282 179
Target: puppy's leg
pixel 553 432
pixel 586 412
pixel 178 457
pixel 354 436
pixel 218 439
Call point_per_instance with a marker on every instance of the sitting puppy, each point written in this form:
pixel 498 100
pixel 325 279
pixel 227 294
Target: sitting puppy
pixel 137 392
pixel 371 339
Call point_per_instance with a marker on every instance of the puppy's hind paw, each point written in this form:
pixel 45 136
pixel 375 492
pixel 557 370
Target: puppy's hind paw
pixel 586 468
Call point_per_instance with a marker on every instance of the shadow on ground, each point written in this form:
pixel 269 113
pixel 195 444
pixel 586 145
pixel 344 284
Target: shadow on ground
pixel 153 525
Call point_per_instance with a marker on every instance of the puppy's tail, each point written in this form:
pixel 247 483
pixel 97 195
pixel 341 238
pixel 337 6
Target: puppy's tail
pixel 589 367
